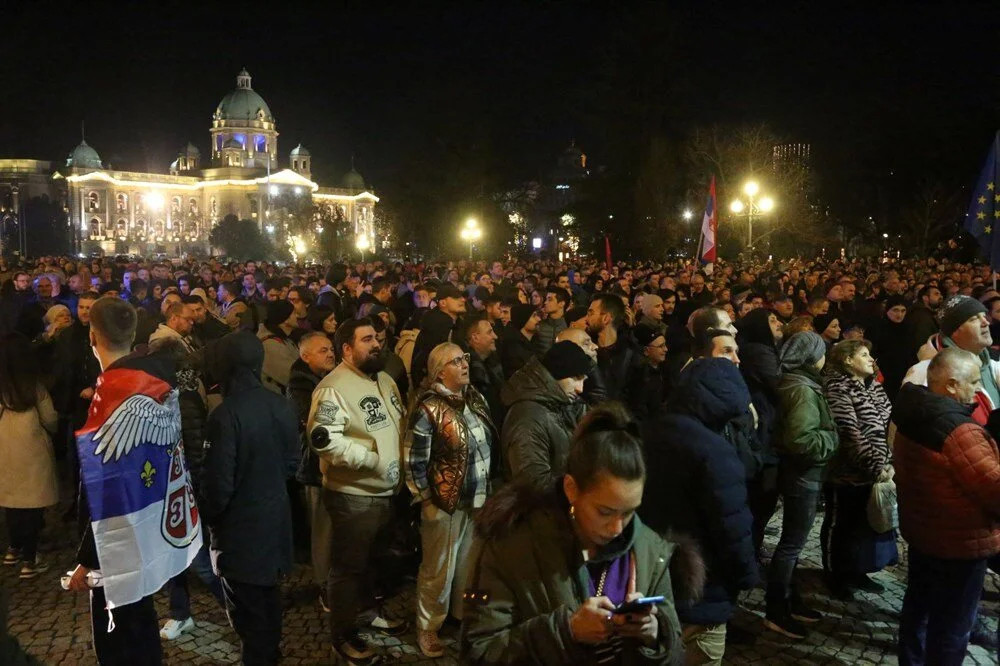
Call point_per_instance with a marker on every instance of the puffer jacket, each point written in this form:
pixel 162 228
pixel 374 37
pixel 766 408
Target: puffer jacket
pixel 529 577
pixel 440 466
pixel 947 477
pixel 861 411
pixel 545 334
pixel 808 432
pixel 538 427
pixel 700 486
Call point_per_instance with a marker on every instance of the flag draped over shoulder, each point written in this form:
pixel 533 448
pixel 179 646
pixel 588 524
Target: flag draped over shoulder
pixel 983 219
pixel 142 509
pixel 709 227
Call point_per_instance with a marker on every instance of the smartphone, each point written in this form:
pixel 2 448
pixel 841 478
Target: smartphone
pixel 638 605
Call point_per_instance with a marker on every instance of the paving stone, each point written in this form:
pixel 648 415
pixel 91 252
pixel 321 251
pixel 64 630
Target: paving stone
pixel 55 625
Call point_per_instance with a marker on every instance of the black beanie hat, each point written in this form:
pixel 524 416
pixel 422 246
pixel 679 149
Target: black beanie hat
pixel 566 359
pixel 956 311
pixel 520 314
pixel 278 312
pixel 821 322
pixel 645 334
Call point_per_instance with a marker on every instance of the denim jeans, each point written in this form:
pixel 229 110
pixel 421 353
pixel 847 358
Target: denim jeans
pixel 360 527
pixel 939 609
pixel 180 598
pixel 800 497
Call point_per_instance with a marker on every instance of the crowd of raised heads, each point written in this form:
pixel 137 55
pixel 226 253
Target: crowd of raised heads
pixel 576 460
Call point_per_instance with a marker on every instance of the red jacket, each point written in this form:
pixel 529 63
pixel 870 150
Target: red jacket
pixel 947 477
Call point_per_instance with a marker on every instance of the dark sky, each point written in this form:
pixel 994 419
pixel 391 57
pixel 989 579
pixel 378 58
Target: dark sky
pixel 914 89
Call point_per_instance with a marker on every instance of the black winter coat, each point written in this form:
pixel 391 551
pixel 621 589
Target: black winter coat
pixel 253 448
pixel 435 327
pixel 515 351
pixel 761 370
pixel 696 484
pixel 301 383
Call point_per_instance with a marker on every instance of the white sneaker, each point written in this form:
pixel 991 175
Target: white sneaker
pixel 173 629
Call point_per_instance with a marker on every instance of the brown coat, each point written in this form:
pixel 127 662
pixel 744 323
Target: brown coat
pixel 27 462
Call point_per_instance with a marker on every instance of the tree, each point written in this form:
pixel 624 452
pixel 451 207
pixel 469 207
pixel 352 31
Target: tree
pixel 737 154
pixel 240 239
pixel 933 214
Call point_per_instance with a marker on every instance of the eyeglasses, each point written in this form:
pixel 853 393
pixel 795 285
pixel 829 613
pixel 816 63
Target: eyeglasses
pixel 458 361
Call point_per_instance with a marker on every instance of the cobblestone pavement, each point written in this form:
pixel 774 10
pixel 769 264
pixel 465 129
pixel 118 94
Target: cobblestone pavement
pixel 54 626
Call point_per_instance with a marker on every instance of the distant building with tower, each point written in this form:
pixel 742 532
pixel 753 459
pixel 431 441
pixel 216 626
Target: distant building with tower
pixel 118 211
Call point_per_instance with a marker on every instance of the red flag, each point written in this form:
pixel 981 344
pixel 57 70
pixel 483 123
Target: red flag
pixel 709 228
pixel 607 251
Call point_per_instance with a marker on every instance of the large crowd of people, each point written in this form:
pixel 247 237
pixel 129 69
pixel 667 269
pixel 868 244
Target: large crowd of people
pixel 539 443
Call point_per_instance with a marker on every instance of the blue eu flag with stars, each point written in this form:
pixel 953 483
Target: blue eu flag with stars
pixel 983 219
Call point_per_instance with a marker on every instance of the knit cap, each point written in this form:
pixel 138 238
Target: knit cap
pixel 802 349
pixel 956 311
pixel 566 359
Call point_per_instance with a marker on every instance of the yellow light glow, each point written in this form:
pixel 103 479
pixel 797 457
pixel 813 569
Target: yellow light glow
pixel 153 200
pixel 300 246
pixel 766 204
pixel 687 214
pixel 286 176
pixel 751 188
pixel 470 235
pixel 471 223
pixel 362 243
pixel 736 206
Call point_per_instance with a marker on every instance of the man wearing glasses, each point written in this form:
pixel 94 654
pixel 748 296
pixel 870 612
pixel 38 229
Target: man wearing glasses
pixel 645 388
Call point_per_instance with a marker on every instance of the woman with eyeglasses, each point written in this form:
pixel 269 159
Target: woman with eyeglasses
pixel 447 459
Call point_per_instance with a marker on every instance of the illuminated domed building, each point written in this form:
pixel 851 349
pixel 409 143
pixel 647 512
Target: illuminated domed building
pixel 241 174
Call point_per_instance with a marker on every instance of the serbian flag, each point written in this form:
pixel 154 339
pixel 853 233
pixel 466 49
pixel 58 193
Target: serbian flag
pixel 709 226
pixel 142 509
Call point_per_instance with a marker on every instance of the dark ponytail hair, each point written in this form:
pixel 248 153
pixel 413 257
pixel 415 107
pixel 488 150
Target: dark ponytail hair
pixel 606 440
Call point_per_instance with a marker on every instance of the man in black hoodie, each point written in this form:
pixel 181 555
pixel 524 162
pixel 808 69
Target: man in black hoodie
pixel 253 448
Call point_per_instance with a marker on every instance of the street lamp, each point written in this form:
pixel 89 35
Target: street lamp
pixel 362 245
pixel 687 214
pixel 753 206
pixel 471 232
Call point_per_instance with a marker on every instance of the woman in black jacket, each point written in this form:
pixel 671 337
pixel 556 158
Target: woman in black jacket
pixel 890 348
pixel 759 336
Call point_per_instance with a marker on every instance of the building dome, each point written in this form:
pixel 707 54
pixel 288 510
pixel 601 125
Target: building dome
pixel 243 103
pixel 192 149
pixel 353 180
pixel 84 156
pixel 232 143
pixel 299 151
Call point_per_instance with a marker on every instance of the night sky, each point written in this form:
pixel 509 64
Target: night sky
pixel 413 93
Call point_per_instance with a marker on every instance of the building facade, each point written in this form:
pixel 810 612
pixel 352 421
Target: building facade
pixel 116 211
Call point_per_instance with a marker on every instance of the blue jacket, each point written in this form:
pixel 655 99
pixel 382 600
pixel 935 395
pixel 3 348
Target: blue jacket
pixel 696 483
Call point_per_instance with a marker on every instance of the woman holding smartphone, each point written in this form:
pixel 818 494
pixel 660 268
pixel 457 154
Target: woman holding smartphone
pixel 551 567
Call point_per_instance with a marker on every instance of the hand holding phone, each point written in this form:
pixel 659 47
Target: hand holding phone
pixel 640 605
pixel 637 619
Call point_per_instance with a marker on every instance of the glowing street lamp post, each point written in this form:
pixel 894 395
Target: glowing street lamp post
pixel 362 245
pixel 753 206
pixel 471 232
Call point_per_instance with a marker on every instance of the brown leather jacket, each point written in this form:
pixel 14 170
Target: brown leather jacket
pixel 448 461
